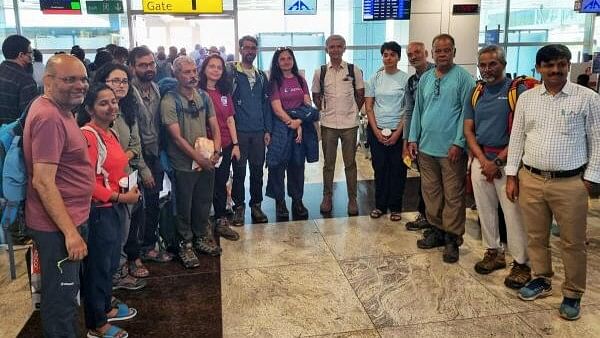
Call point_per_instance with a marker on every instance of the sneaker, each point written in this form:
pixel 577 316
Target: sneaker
pixel 225 231
pixel 188 256
pixel 238 215
pixel 519 275
pixel 419 223
pixel 326 204
pixel 451 253
pixel 492 260
pixel 207 247
pixel 536 288
pixel 281 210
pixel 570 308
pixel 299 210
pixel 129 282
pixel 352 207
pixel 258 216
pixel 431 239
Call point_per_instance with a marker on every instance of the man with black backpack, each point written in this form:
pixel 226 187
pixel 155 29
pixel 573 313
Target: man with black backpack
pixel 253 125
pixel 339 92
pixel 487 129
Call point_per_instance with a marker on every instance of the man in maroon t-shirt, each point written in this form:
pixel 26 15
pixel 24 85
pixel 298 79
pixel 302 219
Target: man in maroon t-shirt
pixel 59 191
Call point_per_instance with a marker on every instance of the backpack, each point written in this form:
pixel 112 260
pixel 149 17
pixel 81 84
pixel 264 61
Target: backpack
pixel 102 153
pixel 322 81
pixel 261 76
pixel 512 95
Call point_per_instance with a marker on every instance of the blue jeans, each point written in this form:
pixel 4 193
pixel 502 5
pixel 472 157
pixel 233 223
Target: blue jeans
pixel 102 261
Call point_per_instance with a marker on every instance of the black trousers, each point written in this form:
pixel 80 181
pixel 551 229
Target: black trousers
pixel 221 178
pixel 390 174
pixel 149 232
pixel 252 151
pixel 295 182
pixel 58 308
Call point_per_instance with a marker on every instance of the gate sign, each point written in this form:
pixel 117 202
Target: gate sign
pixel 300 7
pixel 183 6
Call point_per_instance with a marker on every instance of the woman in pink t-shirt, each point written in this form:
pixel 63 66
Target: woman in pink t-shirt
pixel 288 91
pixel 213 79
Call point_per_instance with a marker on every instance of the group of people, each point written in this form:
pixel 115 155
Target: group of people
pixel 85 137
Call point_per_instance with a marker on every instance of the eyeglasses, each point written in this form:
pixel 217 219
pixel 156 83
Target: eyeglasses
pixel 193 108
pixel 437 86
pixel 116 81
pixel 249 48
pixel 72 79
pixel 281 49
pixel 150 64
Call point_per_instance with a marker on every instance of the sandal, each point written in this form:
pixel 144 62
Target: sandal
pixel 137 269
pixel 124 312
pixel 395 216
pixel 157 256
pixel 112 332
pixel 376 213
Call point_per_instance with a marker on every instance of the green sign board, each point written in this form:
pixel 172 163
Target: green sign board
pixel 104 7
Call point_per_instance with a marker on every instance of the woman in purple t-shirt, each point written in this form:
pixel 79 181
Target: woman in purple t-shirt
pixel 288 91
pixel 214 80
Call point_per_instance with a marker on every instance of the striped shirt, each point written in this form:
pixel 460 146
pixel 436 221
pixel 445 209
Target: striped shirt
pixel 17 89
pixel 556 133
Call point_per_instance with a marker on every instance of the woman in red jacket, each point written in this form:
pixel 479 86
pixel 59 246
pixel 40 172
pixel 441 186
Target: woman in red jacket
pixel 106 215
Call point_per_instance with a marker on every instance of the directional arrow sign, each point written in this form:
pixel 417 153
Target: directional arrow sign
pixel 104 7
pixel 183 6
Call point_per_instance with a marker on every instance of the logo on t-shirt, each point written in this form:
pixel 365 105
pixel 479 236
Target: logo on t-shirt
pixel 224 101
pixel 291 90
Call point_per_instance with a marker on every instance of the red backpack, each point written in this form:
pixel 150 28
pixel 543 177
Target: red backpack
pixel 513 94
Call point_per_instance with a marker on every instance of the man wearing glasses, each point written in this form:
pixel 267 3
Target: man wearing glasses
pixel 436 136
pixel 141 61
pixel 253 123
pixel 59 191
pixel 17 86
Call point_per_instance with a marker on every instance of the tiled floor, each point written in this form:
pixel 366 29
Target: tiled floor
pixel 358 277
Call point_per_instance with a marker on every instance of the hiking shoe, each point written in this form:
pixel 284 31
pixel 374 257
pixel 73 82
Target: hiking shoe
pixel 519 275
pixel 238 215
pixel 188 256
pixel 555 229
pixel 536 288
pixel 281 210
pixel 431 239
pixel 419 223
pixel 451 253
pixel 298 209
pixel 570 308
pixel 129 283
pixel 225 231
pixel 258 216
pixel 326 204
pixel 352 207
pixel 207 247
pixel 492 260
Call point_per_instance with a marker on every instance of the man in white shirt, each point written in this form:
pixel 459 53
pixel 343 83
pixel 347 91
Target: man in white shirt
pixel 556 134
pixel 338 93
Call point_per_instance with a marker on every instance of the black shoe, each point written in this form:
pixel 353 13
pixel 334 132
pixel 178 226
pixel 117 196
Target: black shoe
pixel 258 216
pixel 238 215
pixel 418 224
pixel 451 252
pixel 281 210
pixel 432 238
pixel 298 209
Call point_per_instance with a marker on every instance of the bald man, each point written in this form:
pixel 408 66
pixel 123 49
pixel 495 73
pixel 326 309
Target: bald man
pixel 59 191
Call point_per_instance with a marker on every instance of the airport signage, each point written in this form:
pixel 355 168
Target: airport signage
pixel 300 7
pixel 183 6
pixel 60 6
pixel 104 7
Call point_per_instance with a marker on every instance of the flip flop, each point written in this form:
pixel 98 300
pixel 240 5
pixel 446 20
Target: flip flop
pixel 112 332
pixel 124 312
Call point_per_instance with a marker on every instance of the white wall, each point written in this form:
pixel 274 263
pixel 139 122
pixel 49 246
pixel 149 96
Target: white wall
pixel 429 18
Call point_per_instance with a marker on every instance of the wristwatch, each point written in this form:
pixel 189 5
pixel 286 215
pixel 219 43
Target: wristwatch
pixel 498 162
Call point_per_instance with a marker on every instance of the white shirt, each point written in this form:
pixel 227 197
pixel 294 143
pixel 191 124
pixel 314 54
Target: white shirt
pixel 340 110
pixel 556 133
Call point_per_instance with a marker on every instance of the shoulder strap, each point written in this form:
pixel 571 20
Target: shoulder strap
pixel 322 85
pixel 351 74
pixel 513 93
pixel 102 153
pixel 477 91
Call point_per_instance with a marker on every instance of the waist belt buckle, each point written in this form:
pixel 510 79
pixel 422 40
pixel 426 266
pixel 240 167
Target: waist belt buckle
pixel 546 174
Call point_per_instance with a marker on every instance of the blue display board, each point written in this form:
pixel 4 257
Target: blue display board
pixel 590 6
pixel 386 10
pixel 300 7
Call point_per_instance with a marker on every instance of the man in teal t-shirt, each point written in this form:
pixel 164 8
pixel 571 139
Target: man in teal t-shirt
pixel 436 135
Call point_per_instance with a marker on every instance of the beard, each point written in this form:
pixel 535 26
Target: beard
pixel 147 76
pixel 249 58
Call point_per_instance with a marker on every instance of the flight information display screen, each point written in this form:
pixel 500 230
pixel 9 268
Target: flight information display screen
pixel 386 10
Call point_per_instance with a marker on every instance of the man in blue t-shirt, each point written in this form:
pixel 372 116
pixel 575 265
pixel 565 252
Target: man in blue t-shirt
pixel 487 132
pixel 436 134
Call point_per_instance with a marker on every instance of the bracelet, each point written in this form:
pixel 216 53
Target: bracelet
pixel 235 144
